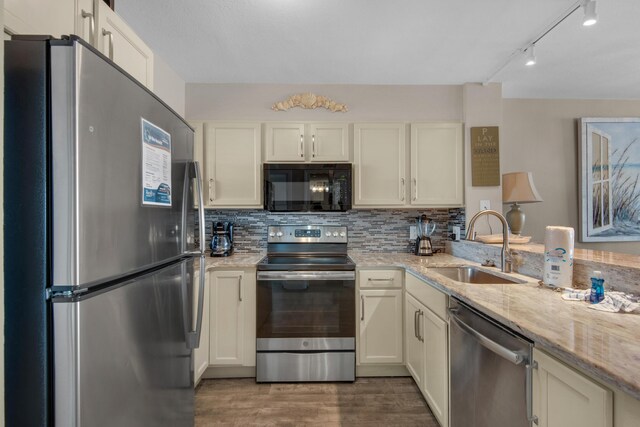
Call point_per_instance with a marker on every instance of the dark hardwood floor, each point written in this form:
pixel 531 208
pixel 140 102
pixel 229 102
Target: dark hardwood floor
pixel 367 402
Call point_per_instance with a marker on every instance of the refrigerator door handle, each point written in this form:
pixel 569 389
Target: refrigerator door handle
pixel 193 171
pixel 193 336
pixel 200 209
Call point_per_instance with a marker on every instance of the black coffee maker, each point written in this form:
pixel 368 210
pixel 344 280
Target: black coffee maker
pixel 222 239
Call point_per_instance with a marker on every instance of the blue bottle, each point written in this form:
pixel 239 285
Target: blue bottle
pixel 597 288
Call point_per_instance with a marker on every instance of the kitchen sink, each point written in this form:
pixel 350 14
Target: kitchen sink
pixel 471 275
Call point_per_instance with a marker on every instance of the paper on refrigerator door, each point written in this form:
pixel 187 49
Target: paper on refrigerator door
pixel 156 165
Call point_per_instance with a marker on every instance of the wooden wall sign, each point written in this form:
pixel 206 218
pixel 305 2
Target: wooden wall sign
pixel 485 157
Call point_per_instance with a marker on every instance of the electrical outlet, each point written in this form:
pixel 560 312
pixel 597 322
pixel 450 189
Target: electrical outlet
pixel 413 233
pixel 456 232
pixel 485 204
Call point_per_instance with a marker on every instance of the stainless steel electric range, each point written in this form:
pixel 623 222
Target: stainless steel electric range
pixel 305 314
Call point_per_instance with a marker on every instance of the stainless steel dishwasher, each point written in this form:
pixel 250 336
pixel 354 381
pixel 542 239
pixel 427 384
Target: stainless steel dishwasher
pixel 491 372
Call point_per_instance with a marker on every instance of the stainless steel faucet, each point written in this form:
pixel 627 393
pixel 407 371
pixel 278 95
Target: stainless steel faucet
pixel 506 254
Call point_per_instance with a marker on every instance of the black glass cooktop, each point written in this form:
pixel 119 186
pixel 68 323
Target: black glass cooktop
pixel 315 262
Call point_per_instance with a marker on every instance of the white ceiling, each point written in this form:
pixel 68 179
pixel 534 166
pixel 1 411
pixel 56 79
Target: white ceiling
pixel 396 42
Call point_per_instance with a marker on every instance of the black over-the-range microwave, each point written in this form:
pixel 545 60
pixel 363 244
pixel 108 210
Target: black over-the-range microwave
pixel 308 187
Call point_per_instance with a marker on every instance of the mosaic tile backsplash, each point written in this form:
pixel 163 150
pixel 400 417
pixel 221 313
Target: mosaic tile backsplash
pixel 370 230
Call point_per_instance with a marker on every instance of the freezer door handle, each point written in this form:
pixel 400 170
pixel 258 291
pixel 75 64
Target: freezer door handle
pixel 193 336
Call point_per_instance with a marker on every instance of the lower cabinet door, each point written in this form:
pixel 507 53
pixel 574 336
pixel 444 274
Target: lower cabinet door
pixel 232 318
pixel 435 385
pixel 380 326
pixel 563 397
pixel 414 347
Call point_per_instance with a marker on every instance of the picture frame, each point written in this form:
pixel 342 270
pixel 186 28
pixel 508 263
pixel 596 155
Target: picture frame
pixel 609 179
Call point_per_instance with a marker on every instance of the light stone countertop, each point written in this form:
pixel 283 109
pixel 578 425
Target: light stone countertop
pixel 235 261
pixel 605 345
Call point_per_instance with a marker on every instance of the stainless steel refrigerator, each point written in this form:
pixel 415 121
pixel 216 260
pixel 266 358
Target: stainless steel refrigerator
pixel 99 182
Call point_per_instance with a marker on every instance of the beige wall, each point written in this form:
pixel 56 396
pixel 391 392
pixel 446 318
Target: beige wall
pixel 168 85
pixel 541 136
pixel 365 102
pixel 482 107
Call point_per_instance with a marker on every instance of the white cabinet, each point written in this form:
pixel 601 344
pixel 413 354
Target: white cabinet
pixel 436 164
pixel 92 20
pixel 329 142
pixel 313 142
pixel 380 326
pixel 435 387
pixel 232 164
pixel 232 318
pixel 563 397
pixel 54 18
pixel 426 340
pixel 414 346
pixel 380 339
pixel 201 354
pixel 379 164
pixel 123 46
pixel 284 142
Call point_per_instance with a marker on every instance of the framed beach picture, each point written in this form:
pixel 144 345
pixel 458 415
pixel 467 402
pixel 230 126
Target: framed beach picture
pixel 609 179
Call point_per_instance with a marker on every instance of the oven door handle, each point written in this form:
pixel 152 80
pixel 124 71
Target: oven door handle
pixel 306 275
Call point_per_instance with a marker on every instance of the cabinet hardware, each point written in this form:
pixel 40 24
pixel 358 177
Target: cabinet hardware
pixel 240 288
pixel 362 307
pixel 313 145
pixel 92 25
pixel 415 324
pixel 415 189
pixel 403 189
pixel 212 189
pixel 380 280
pixel 529 390
pixel 420 336
pixel 109 34
pixel 301 145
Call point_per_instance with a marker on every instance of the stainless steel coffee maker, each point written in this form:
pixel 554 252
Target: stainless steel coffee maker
pixel 222 239
pixel 425 228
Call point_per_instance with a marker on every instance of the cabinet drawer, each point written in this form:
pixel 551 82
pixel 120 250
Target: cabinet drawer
pixel 381 279
pixel 432 298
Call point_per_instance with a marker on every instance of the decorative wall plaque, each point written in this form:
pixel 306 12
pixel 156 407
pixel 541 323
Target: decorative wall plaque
pixel 309 101
pixel 485 157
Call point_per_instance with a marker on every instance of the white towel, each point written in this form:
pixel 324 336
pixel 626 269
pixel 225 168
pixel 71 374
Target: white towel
pixel 613 302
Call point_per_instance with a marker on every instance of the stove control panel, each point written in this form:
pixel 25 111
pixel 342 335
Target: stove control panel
pixel 307 234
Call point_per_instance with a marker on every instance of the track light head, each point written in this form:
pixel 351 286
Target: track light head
pixel 530 59
pixel 590 15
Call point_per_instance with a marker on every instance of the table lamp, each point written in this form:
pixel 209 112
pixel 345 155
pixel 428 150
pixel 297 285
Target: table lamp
pixel 518 187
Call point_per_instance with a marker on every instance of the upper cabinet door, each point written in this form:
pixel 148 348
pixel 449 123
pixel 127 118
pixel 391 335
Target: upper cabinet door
pixel 379 164
pixel 123 46
pixel 329 142
pixel 436 164
pixel 39 17
pixel 233 160
pixel 284 142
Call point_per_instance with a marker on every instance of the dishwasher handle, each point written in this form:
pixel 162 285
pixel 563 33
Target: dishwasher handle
pixel 486 342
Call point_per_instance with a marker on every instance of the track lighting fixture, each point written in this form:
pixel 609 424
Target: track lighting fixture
pixel 590 15
pixel 531 56
pixel 528 50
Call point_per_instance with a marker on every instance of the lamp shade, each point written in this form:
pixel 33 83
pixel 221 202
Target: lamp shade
pixel 518 187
